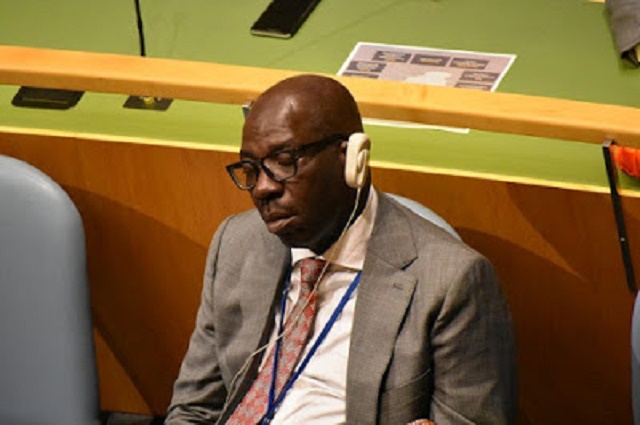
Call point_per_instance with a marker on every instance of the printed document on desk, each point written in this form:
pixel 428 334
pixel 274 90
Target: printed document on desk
pixel 426 65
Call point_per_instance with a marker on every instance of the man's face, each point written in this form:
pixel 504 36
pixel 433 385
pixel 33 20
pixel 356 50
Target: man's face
pixel 309 209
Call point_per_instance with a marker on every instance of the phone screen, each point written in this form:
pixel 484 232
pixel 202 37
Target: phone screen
pixel 282 18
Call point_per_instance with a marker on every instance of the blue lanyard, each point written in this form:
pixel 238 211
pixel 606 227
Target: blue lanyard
pixel 273 402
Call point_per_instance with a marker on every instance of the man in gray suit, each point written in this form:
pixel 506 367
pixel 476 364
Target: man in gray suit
pixel 411 323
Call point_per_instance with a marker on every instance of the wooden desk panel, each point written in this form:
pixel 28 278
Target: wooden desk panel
pixel 557 255
pixel 229 84
pixel 150 210
pixel 148 213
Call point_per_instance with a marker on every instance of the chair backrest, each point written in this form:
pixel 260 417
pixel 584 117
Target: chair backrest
pixel 635 361
pixel 47 363
pixel 425 213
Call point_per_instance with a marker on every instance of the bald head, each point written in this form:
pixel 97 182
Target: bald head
pixel 301 125
pixel 313 103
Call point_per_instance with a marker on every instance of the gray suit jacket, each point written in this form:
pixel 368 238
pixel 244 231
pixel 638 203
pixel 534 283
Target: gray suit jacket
pixel 624 18
pixel 432 335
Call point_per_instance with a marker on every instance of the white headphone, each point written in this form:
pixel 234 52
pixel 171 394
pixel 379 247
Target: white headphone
pixel 355 169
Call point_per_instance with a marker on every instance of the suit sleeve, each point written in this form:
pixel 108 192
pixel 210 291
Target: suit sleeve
pixel 199 392
pixel 474 352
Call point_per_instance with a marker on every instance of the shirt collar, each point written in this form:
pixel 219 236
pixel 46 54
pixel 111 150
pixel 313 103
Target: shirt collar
pixel 350 251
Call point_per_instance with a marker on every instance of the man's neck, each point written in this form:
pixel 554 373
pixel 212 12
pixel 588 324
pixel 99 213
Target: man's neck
pixel 350 218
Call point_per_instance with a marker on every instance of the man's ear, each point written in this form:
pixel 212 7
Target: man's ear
pixel 343 148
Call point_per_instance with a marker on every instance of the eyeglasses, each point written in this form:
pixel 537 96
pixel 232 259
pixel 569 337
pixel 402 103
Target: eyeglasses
pixel 279 165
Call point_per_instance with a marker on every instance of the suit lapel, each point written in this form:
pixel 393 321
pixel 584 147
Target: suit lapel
pixel 265 274
pixel 382 301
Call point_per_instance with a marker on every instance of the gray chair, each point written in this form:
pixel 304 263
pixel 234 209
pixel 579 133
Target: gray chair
pixel 635 361
pixel 425 213
pixel 47 363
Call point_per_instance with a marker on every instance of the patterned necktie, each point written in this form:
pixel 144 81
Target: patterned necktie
pixel 297 330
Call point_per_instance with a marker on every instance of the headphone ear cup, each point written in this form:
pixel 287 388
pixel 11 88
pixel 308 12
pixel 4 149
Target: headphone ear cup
pixel 357 158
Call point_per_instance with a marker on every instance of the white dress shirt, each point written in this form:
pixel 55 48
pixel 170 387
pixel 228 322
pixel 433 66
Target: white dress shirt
pixel 318 396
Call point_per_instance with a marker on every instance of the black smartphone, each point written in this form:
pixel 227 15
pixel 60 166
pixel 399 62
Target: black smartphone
pixel 282 18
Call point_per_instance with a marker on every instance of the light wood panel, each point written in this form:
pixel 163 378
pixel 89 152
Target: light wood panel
pixel 147 236
pixel 557 255
pixel 501 112
pixel 150 210
pixel 118 392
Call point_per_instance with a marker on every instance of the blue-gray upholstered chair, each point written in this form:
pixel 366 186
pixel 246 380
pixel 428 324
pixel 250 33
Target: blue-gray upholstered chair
pixel 47 363
pixel 425 212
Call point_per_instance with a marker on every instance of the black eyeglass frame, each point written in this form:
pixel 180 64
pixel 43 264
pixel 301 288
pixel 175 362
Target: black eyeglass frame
pixel 296 154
